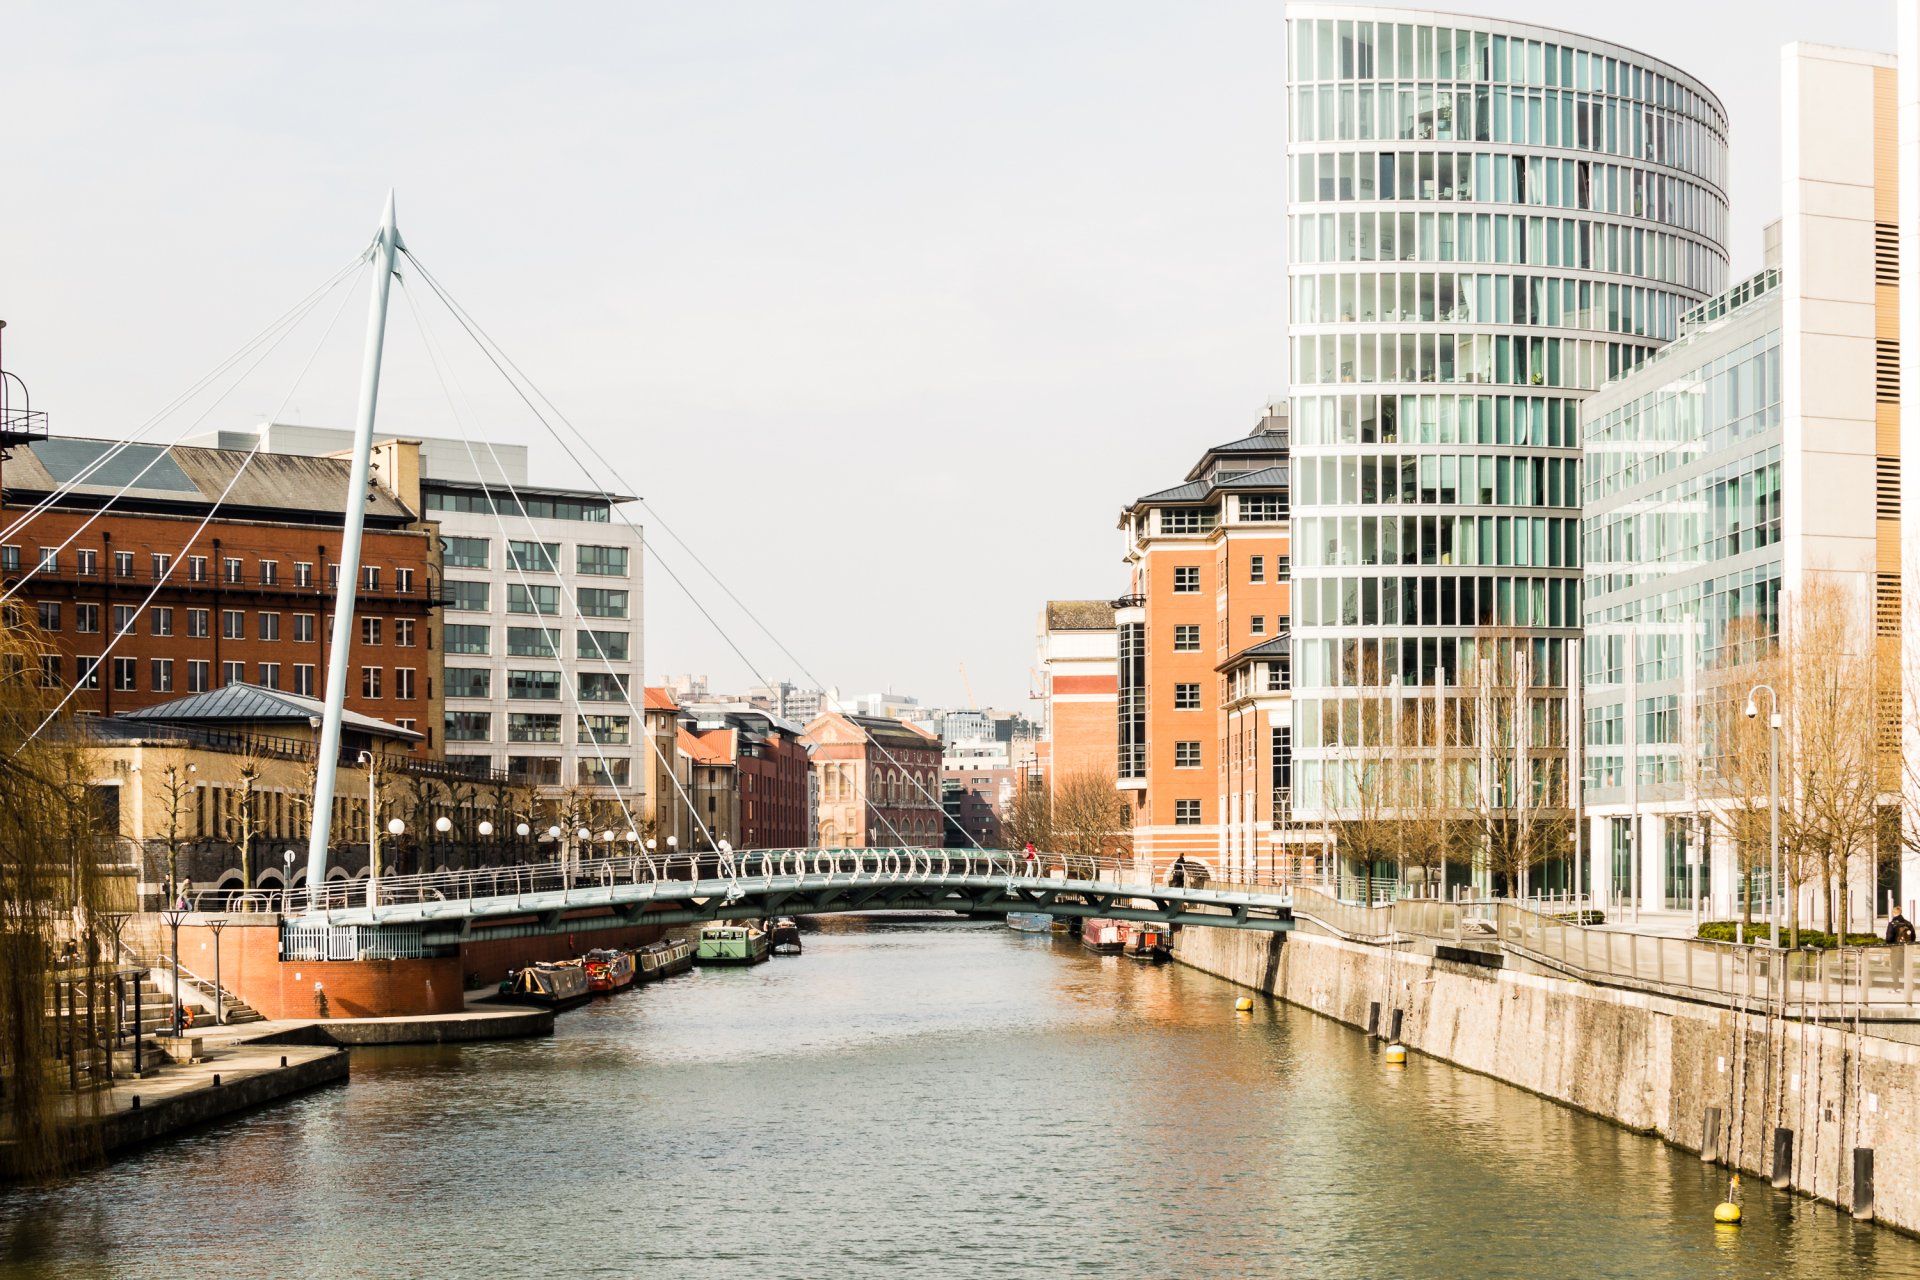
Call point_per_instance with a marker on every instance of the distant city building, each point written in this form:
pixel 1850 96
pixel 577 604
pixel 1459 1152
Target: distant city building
pixel 787 701
pixel 770 773
pixel 1078 665
pixel 544 609
pixel 667 806
pixel 246 599
pixel 879 782
pixel 972 816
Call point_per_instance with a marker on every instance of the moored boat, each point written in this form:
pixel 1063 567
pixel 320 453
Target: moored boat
pixel 1108 937
pixel 1029 921
pixel 1150 942
pixel 607 971
pixel 664 958
pixel 742 943
pixel 560 985
pixel 785 937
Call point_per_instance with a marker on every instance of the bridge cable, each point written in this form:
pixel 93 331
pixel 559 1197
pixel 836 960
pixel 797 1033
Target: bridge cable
pixel 505 363
pixel 174 563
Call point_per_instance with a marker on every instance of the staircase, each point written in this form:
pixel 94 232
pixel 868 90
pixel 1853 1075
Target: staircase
pixel 112 1027
pixel 197 993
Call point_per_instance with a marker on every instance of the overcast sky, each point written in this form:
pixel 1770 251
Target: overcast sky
pixel 888 307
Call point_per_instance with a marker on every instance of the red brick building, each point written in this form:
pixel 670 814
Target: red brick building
pixel 878 782
pixel 143 606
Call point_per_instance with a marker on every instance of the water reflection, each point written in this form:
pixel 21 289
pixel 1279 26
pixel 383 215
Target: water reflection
pixel 923 1099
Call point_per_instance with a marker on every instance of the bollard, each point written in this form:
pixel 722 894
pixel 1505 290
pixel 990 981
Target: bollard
pixel 283 1059
pixel 136 1103
pixel 1782 1157
pixel 216 1080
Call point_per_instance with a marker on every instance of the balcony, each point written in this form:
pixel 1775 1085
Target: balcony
pixel 21 426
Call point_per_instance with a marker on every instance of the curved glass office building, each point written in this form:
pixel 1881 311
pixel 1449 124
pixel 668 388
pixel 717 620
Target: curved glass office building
pixel 1488 220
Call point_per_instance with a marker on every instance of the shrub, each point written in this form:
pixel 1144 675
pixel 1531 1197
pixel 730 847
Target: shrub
pixel 1810 939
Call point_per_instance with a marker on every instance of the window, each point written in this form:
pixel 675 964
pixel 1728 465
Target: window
pixel 532 642
pixel 463 637
pixel 231 568
pixel 1187 519
pixel 86 619
pixel 87 672
pixel 269 626
pixel 303 628
pixel 1186 755
pixel 599 686
pixel 522 598
pixel 1186 637
pixel 160 620
pixel 49 615
pixel 1282 568
pixel 603 773
pixel 543 686
pixel 161 563
pixel 160 675
pixel 609 731
pixel 1257 624
pixel 198 621
pixel 606 562
pixel 1256 569
pixel 303 679
pixel 1186 579
pixel 539 771
pixel 1186 697
pixel 123 564
pixel 467 595
pixel 533 557
pixel 233 673
pixel 1263 508
pixel 370 631
pixel 403 683
pixel 602 602
pixel 233 624
pixel 126 675
pixel 403 632
pixel 196 568
pixel 370 577
pixel 469 726
pixel 270 572
pixel 370 682
pixel 270 674
pixel 598 645
pixel 536 508
pixel 1186 813
pixel 10 558
pixel 532 726
pixel 333 577
pixel 50 671
pixel 123 616
pixel 303 573
pixel 467 553
pixel 49 560
pixel 87 563
pixel 197 671
pixel 469 682
pixel 403 581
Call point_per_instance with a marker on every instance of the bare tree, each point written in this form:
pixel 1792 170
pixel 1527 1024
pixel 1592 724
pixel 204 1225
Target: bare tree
pixel 1514 731
pixel 245 822
pixel 1089 818
pixel 1029 817
pixel 177 783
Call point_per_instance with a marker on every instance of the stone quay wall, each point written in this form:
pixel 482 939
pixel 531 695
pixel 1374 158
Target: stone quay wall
pixel 1819 1109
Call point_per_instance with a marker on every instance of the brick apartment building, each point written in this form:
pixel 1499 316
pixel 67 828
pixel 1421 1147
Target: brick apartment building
pixel 878 782
pixel 748 773
pixel 1079 673
pixel 1204 731
pixel 247 599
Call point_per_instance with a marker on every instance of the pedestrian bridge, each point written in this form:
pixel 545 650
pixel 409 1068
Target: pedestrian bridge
pixel 576 895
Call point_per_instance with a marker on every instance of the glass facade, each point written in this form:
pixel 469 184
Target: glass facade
pixel 1682 536
pixel 1488 222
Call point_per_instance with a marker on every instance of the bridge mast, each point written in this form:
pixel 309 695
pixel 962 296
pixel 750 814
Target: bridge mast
pixel 386 246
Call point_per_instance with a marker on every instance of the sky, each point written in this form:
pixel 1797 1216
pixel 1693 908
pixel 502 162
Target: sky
pixel 886 308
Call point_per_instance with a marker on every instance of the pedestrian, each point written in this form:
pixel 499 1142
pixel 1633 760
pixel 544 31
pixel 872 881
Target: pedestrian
pixel 1899 928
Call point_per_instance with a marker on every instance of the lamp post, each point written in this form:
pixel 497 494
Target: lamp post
pixel 396 829
pixel 1773 802
pixel 173 916
pixel 373 828
pixel 286 883
pixel 442 827
pixel 219 999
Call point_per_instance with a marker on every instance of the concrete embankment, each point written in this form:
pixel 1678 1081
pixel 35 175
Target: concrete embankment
pixel 1815 1108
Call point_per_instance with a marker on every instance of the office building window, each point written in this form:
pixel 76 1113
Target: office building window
pixel 123 564
pixel 403 581
pixel 198 621
pixel 610 731
pixel 161 563
pixel 1186 755
pixel 1186 813
pixel 1257 624
pixel 126 675
pixel 1256 569
pixel 123 616
pixel 269 626
pixel 605 773
pixel 49 615
pixel 87 563
pixel 472 596
pixel 1186 637
pixel 532 726
pixel 86 619
pixel 370 631
pixel 233 624
pixel 49 560
pixel 87 672
pixel 370 577
pixel 160 672
pixel 196 568
pixel 233 673
pixel 606 562
pixel 270 573
pixel 599 686
pixel 469 726
pixel 469 682
pixel 403 632
pixel 160 620
pixel 270 674
pixel 232 567
pixel 543 686
pixel 1186 579
pixel 370 682
pixel 533 557
pixel 1186 697
pixel 198 670
pixel 536 771
pixel 50 671
pixel 303 628
pixel 468 638
pixel 303 679
pixel 466 553
pixel 602 602
pixel 303 573
pixel 403 683
pixel 524 598
pixel 610 646
pixel 532 642
pixel 10 558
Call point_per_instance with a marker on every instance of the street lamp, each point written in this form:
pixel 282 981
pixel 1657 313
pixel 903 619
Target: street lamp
pixel 1773 801
pixel 173 916
pixel 219 999
pixel 486 828
pixel 286 881
pixel 443 824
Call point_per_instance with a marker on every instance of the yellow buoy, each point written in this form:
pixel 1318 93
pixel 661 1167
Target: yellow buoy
pixel 1727 1213
pixel 1396 1055
pixel 1243 1005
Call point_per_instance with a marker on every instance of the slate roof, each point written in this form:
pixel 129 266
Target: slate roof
pixel 1280 646
pixel 240 703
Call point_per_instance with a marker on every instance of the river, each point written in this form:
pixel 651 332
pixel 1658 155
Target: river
pixel 923 1099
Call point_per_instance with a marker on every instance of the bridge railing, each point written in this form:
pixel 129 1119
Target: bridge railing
pixel 573 874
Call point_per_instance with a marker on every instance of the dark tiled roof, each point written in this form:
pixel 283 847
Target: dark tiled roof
pixel 895 733
pixel 253 704
pixel 1079 615
pixel 1266 478
pixel 1280 646
pixel 1192 491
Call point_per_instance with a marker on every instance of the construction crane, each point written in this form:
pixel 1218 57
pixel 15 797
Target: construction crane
pixel 972 702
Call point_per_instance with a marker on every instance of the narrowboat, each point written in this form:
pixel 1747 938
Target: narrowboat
pixel 1150 942
pixel 664 958
pixel 550 986
pixel 785 939
pixel 1108 937
pixel 1029 922
pixel 742 943
pixel 607 971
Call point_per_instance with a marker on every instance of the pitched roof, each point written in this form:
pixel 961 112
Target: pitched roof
pixel 1280 646
pixel 284 486
pixel 1079 615
pixel 878 729
pixel 1265 478
pixel 711 746
pixel 658 699
pixel 256 704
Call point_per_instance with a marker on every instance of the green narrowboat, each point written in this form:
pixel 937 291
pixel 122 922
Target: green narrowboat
pixel 742 943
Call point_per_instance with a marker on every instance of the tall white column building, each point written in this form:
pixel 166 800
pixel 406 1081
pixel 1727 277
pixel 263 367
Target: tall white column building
pixel 1488 220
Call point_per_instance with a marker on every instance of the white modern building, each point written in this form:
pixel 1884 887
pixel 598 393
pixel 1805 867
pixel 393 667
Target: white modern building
pixel 1488 221
pixel 543 625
